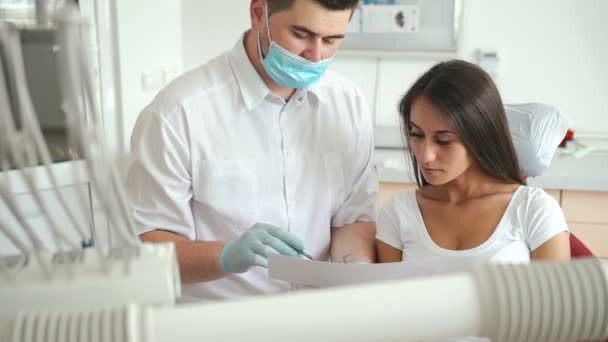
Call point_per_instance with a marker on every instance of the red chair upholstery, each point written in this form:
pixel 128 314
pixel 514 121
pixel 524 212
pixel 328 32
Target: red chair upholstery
pixel 578 248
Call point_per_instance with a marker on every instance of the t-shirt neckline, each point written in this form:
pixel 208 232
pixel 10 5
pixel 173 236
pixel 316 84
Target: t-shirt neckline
pixel 426 237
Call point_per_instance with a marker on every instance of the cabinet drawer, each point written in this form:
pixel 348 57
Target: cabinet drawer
pixel 388 190
pixel 595 236
pixel 585 206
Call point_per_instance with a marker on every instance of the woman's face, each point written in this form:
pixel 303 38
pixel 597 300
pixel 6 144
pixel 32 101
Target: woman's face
pixel 441 155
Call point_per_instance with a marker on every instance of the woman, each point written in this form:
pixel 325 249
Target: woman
pixel 472 202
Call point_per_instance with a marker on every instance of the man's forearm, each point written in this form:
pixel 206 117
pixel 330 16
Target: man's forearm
pixel 198 260
pixel 354 243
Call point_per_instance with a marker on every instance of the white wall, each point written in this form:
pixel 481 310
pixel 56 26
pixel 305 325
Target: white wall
pixel 210 28
pixel 551 51
pixel 149 44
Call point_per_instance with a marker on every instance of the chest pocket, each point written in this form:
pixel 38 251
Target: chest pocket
pixel 227 189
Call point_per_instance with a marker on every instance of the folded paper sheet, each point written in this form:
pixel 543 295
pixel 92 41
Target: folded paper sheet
pixel 324 274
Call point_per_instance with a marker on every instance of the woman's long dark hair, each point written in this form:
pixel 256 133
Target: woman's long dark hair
pixel 470 102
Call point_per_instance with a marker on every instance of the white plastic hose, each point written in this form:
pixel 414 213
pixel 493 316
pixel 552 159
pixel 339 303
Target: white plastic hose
pixel 75 70
pixel 489 302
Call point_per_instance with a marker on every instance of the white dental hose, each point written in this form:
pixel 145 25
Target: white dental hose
pixel 6 141
pixel 502 302
pixel 74 66
pixel 6 121
pixel 30 138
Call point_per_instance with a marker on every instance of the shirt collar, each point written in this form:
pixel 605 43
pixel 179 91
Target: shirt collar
pixel 252 86
pixel 319 90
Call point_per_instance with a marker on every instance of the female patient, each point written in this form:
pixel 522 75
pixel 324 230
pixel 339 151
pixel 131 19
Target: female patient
pixel 471 202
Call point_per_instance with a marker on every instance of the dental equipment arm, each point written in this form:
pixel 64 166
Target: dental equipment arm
pixel 76 74
pixel 26 146
pixel 496 301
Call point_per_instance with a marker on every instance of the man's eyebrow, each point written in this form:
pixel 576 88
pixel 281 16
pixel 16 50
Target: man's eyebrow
pixel 313 33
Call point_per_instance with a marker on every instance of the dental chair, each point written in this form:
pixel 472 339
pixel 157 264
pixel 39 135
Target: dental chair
pixel 578 249
pixel 536 130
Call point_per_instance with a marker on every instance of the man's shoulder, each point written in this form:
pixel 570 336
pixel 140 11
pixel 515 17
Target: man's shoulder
pixel 204 81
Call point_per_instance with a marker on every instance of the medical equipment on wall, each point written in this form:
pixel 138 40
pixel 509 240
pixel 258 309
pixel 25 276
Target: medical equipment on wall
pixel 85 292
pixel 405 26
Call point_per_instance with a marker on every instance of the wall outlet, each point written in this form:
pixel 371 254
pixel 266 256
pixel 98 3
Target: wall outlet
pixel 489 60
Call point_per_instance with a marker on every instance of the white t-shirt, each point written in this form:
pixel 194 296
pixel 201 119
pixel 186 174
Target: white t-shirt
pixel 532 217
pixel 216 152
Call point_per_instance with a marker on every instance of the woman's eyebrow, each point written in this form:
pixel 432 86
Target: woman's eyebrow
pixel 441 131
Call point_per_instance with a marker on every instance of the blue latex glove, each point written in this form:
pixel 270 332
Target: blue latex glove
pixel 252 248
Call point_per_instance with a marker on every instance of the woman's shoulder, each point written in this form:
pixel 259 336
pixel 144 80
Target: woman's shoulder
pixel 536 195
pixel 397 216
pixel 402 202
pixel 540 216
pixel 534 202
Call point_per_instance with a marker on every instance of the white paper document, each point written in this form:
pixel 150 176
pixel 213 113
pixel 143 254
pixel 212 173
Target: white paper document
pixel 325 274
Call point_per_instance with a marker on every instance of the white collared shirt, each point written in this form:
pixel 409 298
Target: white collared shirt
pixel 216 152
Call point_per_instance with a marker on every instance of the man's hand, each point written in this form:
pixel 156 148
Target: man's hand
pixel 252 248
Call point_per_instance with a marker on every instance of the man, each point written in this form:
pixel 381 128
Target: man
pixel 259 151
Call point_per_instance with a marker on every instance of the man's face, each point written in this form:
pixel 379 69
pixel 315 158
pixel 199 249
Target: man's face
pixel 307 29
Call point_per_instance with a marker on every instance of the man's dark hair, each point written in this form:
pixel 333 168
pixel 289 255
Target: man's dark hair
pixel 470 102
pixel 275 6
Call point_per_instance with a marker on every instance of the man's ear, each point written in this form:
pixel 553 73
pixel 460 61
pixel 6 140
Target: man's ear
pixel 257 12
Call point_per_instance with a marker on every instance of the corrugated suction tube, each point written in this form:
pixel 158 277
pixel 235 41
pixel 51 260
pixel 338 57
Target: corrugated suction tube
pixel 536 302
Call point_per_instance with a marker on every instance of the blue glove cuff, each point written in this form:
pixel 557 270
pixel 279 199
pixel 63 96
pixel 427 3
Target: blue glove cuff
pixel 223 258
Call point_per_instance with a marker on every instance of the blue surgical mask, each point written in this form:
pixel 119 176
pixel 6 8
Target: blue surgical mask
pixel 288 69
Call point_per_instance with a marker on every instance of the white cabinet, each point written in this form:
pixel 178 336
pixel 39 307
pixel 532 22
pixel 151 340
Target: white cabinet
pixel 73 186
pixel 585 206
pixel 77 197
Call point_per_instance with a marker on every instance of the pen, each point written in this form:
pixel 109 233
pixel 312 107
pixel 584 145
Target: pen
pixel 306 255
